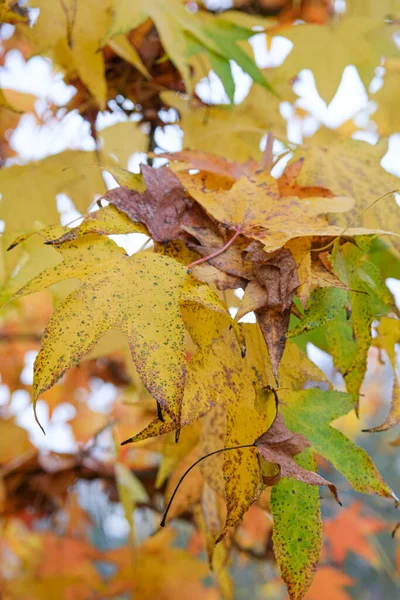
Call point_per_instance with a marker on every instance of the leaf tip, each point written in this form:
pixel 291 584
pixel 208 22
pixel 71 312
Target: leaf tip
pixel 128 441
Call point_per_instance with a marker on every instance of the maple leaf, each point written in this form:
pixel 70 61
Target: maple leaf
pixel 330 582
pixel 353 168
pixel 309 412
pixel 178 573
pixel 297 534
pixel 252 206
pixel 278 446
pixel 62 32
pixel 349 531
pixel 114 294
pixel 183 34
pixel 160 207
pixel 348 42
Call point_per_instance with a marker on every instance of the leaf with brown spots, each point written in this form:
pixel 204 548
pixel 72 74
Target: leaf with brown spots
pixel 353 168
pixel 297 531
pixel 138 295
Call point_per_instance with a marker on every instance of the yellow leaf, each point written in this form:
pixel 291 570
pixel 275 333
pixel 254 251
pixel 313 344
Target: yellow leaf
pixel 14 441
pixel 352 168
pixel 254 207
pixel 37 185
pixel 387 115
pixel 344 43
pixel 122 140
pixel 122 46
pixel 234 132
pixel 70 32
pixel 115 294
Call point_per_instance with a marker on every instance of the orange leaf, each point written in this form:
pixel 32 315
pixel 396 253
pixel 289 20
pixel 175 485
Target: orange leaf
pixel 349 531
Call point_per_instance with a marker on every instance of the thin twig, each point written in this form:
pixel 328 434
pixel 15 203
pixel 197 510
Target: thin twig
pixel 216 253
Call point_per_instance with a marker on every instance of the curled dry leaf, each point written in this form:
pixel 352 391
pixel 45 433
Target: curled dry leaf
pixel 160 207
pixel 278 446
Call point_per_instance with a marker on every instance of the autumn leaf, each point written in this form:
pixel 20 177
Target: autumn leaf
pixel 352 168
pixel 310 412
pixel 62 32
pixel 160 207
pixel 183 34
pixel 297 534
pixel 347 43
pixel 349 531
pixel 331 583
pixel 278 446
pixel 90 311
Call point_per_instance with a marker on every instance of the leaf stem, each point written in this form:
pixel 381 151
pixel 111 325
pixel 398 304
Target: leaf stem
pixel 396 191
pixel 216 253
pixel 163 520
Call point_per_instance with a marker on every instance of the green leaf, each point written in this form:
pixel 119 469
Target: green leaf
pixel 297 531
pixel 323 306
pixel 182 33
pixel 310 412
pixel 347 262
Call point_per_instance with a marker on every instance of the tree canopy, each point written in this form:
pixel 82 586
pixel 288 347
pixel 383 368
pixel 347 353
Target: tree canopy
pixel 265 235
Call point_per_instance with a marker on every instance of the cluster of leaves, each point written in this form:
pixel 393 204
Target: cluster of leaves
pixel 303 250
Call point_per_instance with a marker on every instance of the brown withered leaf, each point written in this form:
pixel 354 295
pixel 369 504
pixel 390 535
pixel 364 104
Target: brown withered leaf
pixel 231 260
pixel 160 207
pixel 278 277
pixel 255 297
pixel 278 445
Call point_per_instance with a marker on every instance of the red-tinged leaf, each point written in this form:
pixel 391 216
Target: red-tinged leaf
pixel 349 532
pixel 160 207
pixel 278 446
pixel 330 584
